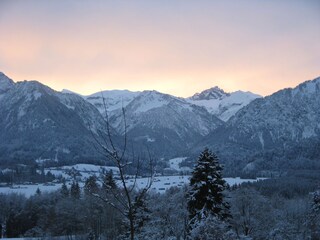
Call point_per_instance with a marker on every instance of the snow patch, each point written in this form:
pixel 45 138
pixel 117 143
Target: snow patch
pixel 174 163
pixel 308 132
pixel 36 95
pixel 260 135
pixel 151 139
pixel 21 112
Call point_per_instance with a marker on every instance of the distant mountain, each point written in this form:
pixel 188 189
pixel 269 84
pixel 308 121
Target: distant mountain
pixel 215 100
pixel 164 123
pixel 249 133
pixel 214 93
pixel 114 99
pixel 38 122
pixel 281 131
pixel 221 104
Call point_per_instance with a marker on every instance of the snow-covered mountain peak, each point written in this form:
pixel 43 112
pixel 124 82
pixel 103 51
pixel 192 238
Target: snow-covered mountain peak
pixel 211 93
pixel 114 99
pixel 224 105
pixel 34 86
pixel 114 94
pixel 69 92
pixel 153 94
pixel 32 90
pixel 5 83
pixel 148 100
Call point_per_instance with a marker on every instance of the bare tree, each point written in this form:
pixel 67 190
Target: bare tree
pixel 127 198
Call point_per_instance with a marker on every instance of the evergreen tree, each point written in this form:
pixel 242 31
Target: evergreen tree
pixel 206 197
pixel 316 202
pixel 109 182
pixel 75 190
pixel 64 190
pixel 141 213
pixel 315 216
pixel 38 192
pixel 91 185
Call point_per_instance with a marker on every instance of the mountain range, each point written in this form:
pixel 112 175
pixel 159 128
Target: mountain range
pixel 248 132
pixel 37 122
pixel 280 131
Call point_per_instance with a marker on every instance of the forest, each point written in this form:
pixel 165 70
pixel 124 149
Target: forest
pixel 278 208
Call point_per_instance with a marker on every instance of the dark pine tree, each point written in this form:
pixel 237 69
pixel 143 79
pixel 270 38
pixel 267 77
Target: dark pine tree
pixel 108 182
pixel 75 190
pixel 206 198
pixel 91 185
pixel 64 190
pixel 38 192
pixel 316 202
pixel 315 216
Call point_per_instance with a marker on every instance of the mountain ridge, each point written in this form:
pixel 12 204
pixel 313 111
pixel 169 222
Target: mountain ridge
pixel 280 131
pixel 215 100
pixel 269 131
pixel 39 122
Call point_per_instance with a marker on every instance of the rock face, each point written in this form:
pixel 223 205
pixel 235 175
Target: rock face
pixel 281 131
pixel 38 122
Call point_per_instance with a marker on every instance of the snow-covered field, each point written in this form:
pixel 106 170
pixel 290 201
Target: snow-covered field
pixel 163 183
pixel 29 190
pixel 159 185
pixel 174 163
pixel 83 171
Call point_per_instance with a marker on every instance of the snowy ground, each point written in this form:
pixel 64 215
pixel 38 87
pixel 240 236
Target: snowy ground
pixel 84 170
pixel 29 190
pixel 174 164
pixel 159 185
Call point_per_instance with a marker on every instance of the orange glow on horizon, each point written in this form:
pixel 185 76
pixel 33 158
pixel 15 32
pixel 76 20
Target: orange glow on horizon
pixel 180 49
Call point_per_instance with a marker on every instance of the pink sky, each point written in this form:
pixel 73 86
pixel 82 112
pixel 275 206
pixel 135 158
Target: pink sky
pixel 173 46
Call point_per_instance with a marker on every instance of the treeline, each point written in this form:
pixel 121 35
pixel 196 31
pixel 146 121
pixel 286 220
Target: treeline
pixel 70 211
pixel 274 209
pixel 20 173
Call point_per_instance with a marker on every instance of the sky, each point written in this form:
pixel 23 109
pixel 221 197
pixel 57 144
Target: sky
pixel 178 47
